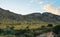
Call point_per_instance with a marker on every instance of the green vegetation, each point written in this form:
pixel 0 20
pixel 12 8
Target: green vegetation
pixel 31 25
pixel 25 29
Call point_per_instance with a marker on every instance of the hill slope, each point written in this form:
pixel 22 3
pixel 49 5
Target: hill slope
pixel 10 18
pixel 37 16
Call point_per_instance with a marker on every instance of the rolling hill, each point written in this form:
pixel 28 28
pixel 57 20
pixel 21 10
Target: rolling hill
pixel 46 16
pixel 29 25
pixel 8 18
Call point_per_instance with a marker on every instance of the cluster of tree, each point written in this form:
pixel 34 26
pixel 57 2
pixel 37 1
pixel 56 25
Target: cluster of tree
pixel 31 33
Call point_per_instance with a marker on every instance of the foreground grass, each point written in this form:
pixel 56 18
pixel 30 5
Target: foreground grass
pixel 7 36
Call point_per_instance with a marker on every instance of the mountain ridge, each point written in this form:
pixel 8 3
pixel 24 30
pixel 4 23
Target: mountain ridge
pixel 46 16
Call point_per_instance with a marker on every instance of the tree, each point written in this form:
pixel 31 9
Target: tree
pixel 56 29
pixel 1 31
pixel 50 25
pixel 9 30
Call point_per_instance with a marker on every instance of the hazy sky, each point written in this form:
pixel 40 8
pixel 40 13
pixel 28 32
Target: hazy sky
pixel 30 6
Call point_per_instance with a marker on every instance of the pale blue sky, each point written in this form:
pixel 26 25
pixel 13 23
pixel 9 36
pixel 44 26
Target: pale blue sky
pixel 30 6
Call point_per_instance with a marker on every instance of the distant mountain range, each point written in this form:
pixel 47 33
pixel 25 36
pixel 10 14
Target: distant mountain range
pixel 46 16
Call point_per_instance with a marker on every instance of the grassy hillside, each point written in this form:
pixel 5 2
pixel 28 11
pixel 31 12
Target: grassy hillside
pixel 31 25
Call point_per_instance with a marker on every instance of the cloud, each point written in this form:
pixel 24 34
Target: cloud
pixel 37 2
pixel 40 3
pixel 50 8
pixel 33 1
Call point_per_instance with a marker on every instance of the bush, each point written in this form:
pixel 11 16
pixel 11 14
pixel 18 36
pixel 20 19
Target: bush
pixel 56 29
pixel 1 31
pixel 50 25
